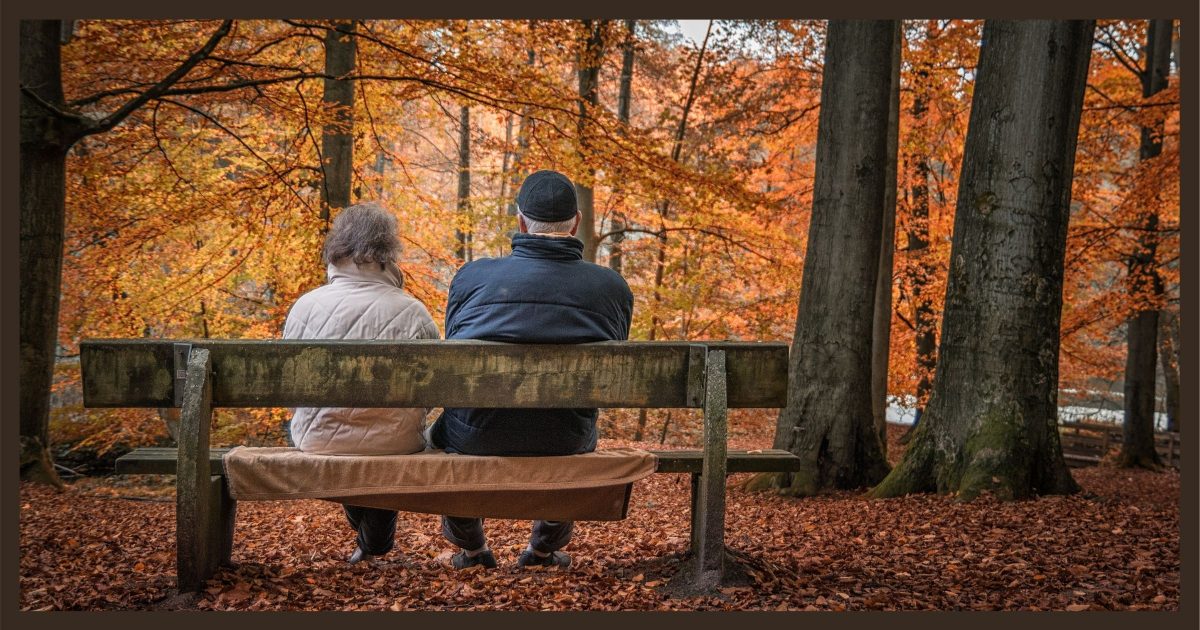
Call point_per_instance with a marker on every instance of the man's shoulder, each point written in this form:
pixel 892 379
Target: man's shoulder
pixel 605 276
pixel 478 269
pixel 488 270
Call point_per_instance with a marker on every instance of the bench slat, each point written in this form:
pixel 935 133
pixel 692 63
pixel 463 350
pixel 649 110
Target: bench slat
pixel 295 373
pixel 161 461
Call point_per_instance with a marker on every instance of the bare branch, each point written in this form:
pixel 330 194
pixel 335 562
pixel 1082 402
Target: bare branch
pixel 1119 54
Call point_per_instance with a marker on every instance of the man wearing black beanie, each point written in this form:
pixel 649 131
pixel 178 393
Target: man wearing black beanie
pixel 544 292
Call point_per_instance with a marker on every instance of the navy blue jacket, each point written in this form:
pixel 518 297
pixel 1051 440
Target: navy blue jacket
pixel 544 292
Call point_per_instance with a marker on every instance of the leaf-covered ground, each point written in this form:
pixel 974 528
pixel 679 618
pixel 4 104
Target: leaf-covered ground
pixel 108 544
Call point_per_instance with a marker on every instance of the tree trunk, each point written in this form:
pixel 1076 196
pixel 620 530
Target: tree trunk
pixel 523 132
pixel 337 139
pixel 591 55
pixel 506 158
pixel 45 140
pixel 624 99
pixel 1145 284
pixel 881 329
pixel 991 424
pixel 828 421
pixel 381 163
pixel 1168 352
pixel 48 130
pixel 463 233
pixel 921 271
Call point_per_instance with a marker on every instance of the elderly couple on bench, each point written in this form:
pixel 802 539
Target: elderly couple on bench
pixel 544 292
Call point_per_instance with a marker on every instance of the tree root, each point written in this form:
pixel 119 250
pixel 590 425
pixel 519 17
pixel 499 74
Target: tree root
pixel 37 465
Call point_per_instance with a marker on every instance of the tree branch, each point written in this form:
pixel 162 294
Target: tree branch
pixel 158 89
pixel 219 125
pixel 1119 54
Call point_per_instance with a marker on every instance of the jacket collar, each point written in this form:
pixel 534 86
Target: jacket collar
pixel 546 247
pixel 346 270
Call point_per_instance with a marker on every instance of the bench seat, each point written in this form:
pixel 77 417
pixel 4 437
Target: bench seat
pixel 162 461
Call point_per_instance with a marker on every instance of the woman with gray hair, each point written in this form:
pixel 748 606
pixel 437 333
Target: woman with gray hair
pixel 363 299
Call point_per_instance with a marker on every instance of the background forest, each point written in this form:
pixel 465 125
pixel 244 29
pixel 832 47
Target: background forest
pixel 972 222
pixel 201 212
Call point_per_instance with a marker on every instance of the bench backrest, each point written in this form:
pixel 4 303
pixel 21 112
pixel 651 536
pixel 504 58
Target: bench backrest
pixel 294 373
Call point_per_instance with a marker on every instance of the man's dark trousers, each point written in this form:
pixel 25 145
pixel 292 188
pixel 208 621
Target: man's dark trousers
pixel 376 528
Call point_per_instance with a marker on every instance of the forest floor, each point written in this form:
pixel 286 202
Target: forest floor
pixel 108 543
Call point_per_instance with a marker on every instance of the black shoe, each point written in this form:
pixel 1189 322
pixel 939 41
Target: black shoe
pixel 555 559
pixel 359 555
pixel 462 561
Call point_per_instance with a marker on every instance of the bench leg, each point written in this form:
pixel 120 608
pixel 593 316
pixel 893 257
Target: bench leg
pixel 197 491
pixel 221 523
pixel 694 544
pixel 708 531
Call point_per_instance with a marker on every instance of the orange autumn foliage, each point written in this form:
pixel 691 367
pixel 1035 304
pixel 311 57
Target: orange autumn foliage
pixel 199 215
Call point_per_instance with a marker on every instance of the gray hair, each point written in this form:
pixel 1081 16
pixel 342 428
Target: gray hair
pixel 364 233
pixel 533 226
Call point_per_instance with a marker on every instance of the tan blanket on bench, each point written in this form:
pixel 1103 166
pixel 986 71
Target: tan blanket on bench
pixel 592 486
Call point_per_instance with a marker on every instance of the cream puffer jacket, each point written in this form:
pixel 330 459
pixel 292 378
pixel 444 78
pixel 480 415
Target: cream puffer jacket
pixel 359 302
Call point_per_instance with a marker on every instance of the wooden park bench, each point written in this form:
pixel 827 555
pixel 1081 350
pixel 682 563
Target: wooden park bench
pixel 1086 443
pixel 204 374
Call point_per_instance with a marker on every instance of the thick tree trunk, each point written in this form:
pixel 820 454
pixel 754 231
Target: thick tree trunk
pixel 463 233
pixel 991 424
pixel 1168 352
pixel 881 329
pixel 45 140
pixel 828 421
pixel 337 139
pixel 624 99
pixel 1145 284
pixel 591 55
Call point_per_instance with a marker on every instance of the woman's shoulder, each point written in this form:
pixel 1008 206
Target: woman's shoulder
pixel 400 302
pixel 307 299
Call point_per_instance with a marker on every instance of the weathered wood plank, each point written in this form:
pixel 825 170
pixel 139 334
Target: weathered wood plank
pixel 735 461
pixel 161 461
pixel 756 373
pixel 193 484
pixel 1076 461
pixel 290 373
pixel 127 373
